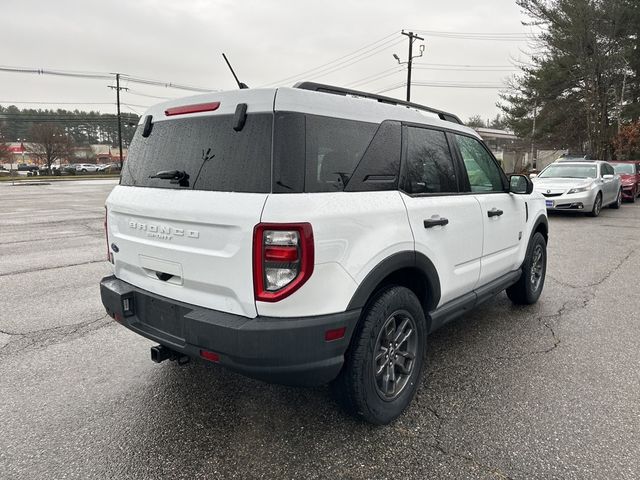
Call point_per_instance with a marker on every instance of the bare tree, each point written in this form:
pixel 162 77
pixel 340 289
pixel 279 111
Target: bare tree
pixel 49 143
pixel 475 121
pixel 5 153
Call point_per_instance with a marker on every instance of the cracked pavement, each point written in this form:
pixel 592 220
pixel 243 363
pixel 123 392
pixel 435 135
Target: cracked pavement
pixel 547 391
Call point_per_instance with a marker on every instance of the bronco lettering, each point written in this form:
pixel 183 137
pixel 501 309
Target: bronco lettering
pixel 164 232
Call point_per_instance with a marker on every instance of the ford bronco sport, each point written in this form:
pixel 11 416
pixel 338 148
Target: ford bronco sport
pixel 314 234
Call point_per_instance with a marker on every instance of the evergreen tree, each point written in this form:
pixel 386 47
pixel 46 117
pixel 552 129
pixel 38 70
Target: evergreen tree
pixel 587 50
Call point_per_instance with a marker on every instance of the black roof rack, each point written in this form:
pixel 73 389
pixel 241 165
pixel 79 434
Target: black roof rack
pixel 319 87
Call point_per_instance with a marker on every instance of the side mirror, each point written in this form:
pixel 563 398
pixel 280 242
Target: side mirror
pixel 520 184
pixel 607 177
pixel 533 175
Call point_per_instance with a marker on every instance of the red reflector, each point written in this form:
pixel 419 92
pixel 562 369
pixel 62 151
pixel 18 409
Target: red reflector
pixel 211 356
pixel 118 318
pixel 281 254
pixel 195 108
pixel 334 334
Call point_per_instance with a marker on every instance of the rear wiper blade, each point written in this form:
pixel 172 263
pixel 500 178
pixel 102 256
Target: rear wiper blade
pixel 178 177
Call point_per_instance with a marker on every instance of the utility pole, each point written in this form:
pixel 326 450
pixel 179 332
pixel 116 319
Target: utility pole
pixel 412 37
pixel 621 103
pixel 117 88
pixel 533 134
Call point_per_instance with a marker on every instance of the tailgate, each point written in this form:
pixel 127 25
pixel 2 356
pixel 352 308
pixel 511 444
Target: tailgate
pixel 188 245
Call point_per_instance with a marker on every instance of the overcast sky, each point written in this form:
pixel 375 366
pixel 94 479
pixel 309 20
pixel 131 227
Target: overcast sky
pixel 181 42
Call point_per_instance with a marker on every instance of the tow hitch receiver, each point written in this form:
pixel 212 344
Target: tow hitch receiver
pixel 160 353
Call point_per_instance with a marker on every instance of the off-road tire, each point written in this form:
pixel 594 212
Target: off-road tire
pixel 357 387
pixel 526 291
pixel 597 206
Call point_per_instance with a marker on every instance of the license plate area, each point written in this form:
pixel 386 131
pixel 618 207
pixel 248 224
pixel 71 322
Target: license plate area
pixel 549 203
pixel 160 317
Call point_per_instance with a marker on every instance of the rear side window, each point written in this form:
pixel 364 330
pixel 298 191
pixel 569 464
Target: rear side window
pixel 208 149
pixel 429 163
pixel 334 147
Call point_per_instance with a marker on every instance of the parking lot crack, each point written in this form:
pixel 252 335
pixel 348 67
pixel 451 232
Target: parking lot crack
pixel 51 237
pixel 611 272
pixel 599 282
pixel 32 270
pixel 11 334
pixel 37 339
pixel 440 447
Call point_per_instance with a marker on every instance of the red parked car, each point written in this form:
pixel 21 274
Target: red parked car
pixel 629 171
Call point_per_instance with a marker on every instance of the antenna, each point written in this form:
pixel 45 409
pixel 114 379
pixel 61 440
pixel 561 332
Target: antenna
pixel 240 84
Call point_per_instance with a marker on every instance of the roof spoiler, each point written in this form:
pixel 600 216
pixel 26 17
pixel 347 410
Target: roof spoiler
pixel 319 87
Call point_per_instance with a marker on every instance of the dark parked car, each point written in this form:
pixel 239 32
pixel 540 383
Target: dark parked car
pixel 629 171
pixel 25 167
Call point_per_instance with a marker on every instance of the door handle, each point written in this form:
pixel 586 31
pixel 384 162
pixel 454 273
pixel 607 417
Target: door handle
pixel 435 222
pixel 494 212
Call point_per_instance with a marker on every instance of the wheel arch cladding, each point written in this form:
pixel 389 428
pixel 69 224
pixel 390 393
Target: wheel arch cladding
pixel 412 270
pixel 542 226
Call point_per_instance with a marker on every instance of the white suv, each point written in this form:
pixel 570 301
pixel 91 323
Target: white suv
pixel 86 167
pixel 314 234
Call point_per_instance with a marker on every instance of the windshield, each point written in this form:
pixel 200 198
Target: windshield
pixel 624 168
pixel 207 149
pixel 569 171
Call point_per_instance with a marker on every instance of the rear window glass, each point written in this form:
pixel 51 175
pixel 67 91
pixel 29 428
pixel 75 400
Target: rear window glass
pixel 624 168
pixel 334 147
pixel 208 149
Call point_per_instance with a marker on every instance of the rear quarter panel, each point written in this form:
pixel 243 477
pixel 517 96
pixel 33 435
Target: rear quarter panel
pixel 353 232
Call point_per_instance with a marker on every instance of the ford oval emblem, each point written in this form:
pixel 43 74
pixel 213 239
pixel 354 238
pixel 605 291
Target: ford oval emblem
pixel 548 191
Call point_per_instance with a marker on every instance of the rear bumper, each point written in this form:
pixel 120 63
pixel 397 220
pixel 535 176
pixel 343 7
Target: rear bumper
pixel 291 351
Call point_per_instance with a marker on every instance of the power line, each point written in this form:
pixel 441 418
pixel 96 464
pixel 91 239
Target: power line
pixel 375 77
pixel 135 92
pixel 57 103
pixel 463 65
pixel 159 83
pixel 514 36
pixel 132 109
pixel 459 85
pixel 454 69
pixel 443 85
pixel 68 73
pixel 345 58
pixel 340 67
pixel 101 76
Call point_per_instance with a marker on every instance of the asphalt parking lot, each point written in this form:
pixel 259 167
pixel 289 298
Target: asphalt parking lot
pixel 548 391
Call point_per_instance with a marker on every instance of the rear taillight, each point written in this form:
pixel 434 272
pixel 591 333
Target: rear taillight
pixel 282 259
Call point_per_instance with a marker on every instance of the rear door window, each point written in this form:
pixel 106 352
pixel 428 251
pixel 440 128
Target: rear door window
pixel 208 149
pixel 429 164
